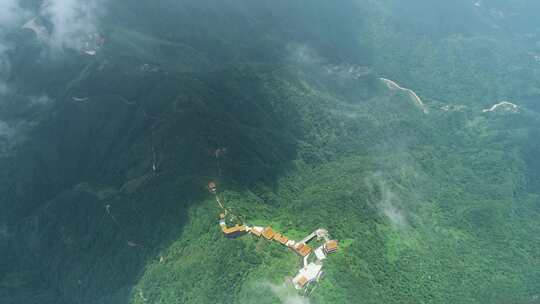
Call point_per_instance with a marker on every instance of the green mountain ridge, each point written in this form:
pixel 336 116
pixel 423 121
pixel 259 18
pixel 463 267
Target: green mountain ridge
pixel 104 197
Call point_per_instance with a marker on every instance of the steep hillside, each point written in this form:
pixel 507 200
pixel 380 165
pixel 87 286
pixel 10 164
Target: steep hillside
pixel 376 120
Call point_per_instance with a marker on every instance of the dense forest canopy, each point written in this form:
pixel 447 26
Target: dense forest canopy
pixel 409 129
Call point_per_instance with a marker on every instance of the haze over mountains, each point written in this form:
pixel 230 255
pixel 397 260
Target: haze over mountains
pixel 409 129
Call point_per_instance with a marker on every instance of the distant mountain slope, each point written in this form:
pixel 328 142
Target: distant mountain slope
pixel 105 157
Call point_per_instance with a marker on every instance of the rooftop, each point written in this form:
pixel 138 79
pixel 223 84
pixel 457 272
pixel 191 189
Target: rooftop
pixel 233 230
pixel 319 253
pixel 303 249
pixel 281 238
pixel 268 233
pixel 331 246
pixel 310 273
pixel 301 282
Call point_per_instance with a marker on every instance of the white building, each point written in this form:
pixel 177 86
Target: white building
pixel 310 273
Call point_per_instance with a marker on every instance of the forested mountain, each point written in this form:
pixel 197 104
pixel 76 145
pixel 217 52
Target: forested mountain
pixel 409 129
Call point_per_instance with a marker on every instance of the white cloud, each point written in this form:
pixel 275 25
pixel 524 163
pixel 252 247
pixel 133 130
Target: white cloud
pixel 303 54
pixel 5 67
pixel 40 100
pixel 4 89
pixel 72 20
pixel 5 129
pixel 349 71
pixel 7 138
pixel 388 202
pixel 286 295
pixel 13 134
pixel 391 211
pixel 10 13
pixel 4 232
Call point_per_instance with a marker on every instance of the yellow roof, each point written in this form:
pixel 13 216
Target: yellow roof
pixel 331 246
pixel 268 233
pixel 235 229
pixel 281 238
pixel 302 281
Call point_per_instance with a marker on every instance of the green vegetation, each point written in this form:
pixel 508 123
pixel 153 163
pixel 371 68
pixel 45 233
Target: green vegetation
pixel 104 200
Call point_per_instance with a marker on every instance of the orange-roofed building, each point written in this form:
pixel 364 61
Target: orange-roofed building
pixel 256 232
pixel 302 281
pixel 268 233
pixel 281 239
pixel 331 246
pixel 303 249
pixel 233 231
pixel 310 273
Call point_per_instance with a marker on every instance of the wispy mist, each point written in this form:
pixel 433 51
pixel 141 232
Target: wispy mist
pixel 69 24
pixel 10 13
pixel 4 232
pixel 303 54
pixel 388 202
pixel 8 135
pixel 286 295
pixel 71 20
